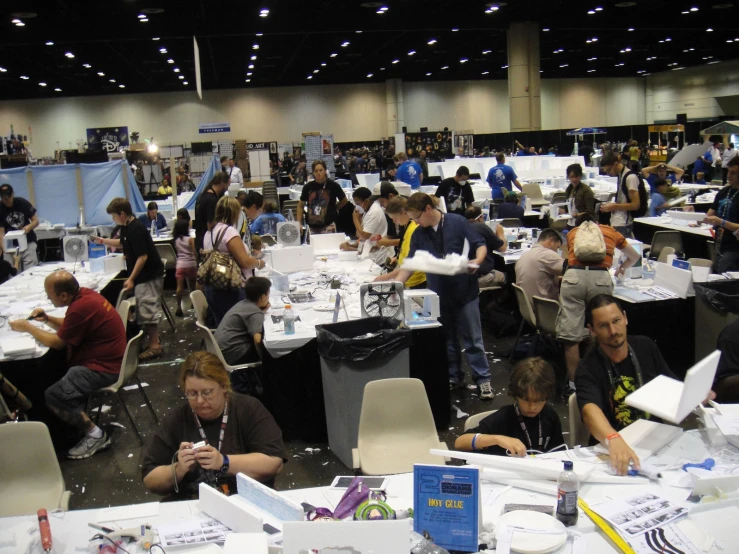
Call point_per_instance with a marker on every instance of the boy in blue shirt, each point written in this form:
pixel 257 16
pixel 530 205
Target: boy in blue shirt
pixel 658 205
pixel 266 224
pixel 501 177
pixel 408 172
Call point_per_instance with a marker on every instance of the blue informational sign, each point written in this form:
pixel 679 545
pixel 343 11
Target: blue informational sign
pixel 214 127
pixel 446 505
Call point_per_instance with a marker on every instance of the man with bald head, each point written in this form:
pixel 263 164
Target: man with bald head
pixel 92 333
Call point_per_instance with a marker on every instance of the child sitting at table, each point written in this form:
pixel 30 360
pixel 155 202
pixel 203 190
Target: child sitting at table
pixel 700 178
pixel 527 424
pixel 658 204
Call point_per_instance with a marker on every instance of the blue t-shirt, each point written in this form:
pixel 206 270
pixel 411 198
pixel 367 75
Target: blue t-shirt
pixel 409 173
pixel 653 178
pixel 700 165
pixel 266 224
pixel 657 201
pixel 161 222
pixel 501 176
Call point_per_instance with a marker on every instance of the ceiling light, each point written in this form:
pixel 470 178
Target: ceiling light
pixel 729 40
pixel 251 66
pixel 591 70
pixel 3 70
pixel 255 47
pixel 677 68
pixel 411 52
pixel 359 32
pixel 395 61
pixel 176 69
pixel 382 69
pixel 249 74
pixel 185 82
pixel 323 64
pixel 432 41
pixel 264 13
pixel 314 71
pixel 594 39
pixel 182 77
pixel 163 50
pixel 369 75
pixel 310 77
pixel 588 41
pixel 504 66
pixel 170 60
pixel 49 43
pixel 155 38
pixel 445 67
pixel 694 9
pixel 384 9
pixel 253 58
pixel 484 52
pixel 709 30
pixel 668 39
pixel 143 21
pixel 69 55
pixel 591 12
pixel 463 60
pixel 627 49
pixel 16 21
pixel 485 72
pixel 380 12
pixel 630 29
pixel 20 24
pixel 86 65
pixel 564 65
pixel 24 77
pixel 333 55
pixel 428 74
pixel 545 30
pixel 598 9
pixel 142 16
pixel 112 80
pixel 260 34
pixel 101 73
pixel 455 30
pixel 121 86
pixel 591 59
pixel 42 84
pixel 345 44
pixel 57 90
pixel 685 13
pixel 248 81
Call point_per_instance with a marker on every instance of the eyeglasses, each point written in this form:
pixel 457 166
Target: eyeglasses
pixel 204 394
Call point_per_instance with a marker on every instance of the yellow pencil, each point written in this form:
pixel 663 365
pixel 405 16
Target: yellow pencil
pixel 616 539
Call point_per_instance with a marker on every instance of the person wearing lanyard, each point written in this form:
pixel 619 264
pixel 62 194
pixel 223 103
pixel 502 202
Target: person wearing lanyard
pixel 529 424
pixel 324 198
pixel 724 216
pixel 240 436
pixel 619 365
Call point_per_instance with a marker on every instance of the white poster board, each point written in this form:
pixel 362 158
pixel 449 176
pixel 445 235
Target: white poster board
pixel 363 537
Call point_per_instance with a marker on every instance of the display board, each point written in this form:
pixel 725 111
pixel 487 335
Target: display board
pixel 438 144
pixel 109 139
pixel 320 147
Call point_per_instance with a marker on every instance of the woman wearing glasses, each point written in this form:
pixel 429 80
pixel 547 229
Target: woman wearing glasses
pixel 240 436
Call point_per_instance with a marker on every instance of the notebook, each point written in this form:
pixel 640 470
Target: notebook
pixel 672 400
pixel 18 346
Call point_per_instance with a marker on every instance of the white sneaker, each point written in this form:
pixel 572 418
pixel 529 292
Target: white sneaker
pixel 486 391
pixel 88 446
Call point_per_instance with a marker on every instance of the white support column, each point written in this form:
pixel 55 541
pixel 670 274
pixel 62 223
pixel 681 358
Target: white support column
pixel 524 80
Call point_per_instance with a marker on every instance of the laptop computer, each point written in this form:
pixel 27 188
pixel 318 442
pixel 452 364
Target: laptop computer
pixel 671 400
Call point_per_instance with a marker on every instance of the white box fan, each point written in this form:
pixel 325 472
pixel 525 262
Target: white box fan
pixel 75 249
pixel 382 300
pixel 288 233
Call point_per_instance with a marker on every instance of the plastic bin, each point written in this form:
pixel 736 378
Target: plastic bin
pixel 354 353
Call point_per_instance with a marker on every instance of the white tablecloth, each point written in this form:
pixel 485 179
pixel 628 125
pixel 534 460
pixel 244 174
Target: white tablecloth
pixel 665 222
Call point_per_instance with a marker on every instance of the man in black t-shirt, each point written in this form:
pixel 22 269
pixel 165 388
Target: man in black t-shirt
pixel 145 271
pixel 456 192
pixel 205 207
pixel 724 216
pixel 18 214
pixel 615 368
pixel 487 275
pixel 323 199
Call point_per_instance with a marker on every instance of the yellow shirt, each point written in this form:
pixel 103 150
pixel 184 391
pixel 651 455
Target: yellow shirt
pixel 417 277
pixel 164 190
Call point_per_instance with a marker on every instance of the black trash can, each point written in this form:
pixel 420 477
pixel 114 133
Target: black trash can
pixel 353 353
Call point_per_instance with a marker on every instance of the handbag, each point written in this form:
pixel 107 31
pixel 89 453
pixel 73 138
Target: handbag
pixel 219 270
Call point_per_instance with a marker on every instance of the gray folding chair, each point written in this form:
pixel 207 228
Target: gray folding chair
pixel 661 239
pixel 510 223
pixel 527 315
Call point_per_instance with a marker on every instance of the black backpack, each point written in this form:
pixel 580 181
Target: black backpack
pixel 643 197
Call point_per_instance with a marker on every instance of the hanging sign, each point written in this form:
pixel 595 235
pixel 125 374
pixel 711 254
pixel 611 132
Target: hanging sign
pixel 214 127
pixel 108 139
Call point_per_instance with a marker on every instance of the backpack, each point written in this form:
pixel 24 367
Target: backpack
pixel 590 246
pixel 643 197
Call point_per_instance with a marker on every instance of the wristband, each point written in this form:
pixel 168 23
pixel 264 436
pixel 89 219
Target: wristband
pixel 723 224
pixel 474 440
pixel 612 436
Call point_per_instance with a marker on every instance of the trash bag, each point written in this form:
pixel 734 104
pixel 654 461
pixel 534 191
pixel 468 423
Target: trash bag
pixel 369 338
pixel 721 295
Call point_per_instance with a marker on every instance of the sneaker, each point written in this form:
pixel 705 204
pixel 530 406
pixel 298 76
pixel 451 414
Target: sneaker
pixel 454 385
pixel 486 391
pixel 89 446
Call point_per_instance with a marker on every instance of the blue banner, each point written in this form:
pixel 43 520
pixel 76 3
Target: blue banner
pixel 214 127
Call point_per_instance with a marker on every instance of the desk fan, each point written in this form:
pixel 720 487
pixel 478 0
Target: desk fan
pixel 288 233
pixel 75 249
pixel 382 300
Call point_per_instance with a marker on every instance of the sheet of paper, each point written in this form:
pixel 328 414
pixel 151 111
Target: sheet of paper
pixel 727 424
pixel 192 531
pixel 149 509
pixel 638 514
pixel 662 540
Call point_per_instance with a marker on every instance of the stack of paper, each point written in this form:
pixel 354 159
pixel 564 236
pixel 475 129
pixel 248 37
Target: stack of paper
pixel 18 346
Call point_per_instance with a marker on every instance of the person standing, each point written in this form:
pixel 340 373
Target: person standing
pixel 728 155
pixel 324 198
pixel 18 214
pixel 299 174
pixel 423 162
pixel 408 172
pixel 628 181
pixel 724 216
pixel 145 271
pixel 456 192
pixel 501 177
pixel 234 173
pixel 205 208
pixel 441 234
pixel 581 195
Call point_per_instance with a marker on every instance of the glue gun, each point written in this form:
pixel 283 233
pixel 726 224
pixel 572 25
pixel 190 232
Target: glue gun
pixel 647 470
pixel 142 533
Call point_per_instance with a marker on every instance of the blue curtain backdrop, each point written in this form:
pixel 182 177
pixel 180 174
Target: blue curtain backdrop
pixel 210 171
pixel 55 188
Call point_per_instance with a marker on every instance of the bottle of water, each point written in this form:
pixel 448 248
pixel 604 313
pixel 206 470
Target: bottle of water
pixel 288 319
pixel 567 486
pixel 153 228
pixel 421 545
pixel 486 211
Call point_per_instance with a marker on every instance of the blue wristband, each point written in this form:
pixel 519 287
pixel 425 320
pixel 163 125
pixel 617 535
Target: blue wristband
pixel 723 224
pixel 474 440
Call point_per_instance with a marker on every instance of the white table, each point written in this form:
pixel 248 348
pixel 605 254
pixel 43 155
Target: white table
pixel 665 222
pixel 71 533
pixel 21 294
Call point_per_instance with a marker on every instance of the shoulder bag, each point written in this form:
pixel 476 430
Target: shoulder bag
pixel 219 270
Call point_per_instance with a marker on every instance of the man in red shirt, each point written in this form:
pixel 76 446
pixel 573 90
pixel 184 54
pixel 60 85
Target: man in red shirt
pixel 93 335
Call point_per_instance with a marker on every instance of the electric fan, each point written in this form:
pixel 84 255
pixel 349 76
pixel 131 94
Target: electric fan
pixel 75 249
pixel 382 299
pixel 288 233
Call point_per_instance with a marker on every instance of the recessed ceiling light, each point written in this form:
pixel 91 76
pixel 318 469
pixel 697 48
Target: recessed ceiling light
pixel 395 61
pixel 16 21
pixel 69 55
pixel 155 38
pixel 182 77
pixel 485 72
pixel 20 24
pixel 176 69
pixel 121 86
pixel 251 66
pixel 598 9
pixel 504 66
pixel 369 75
pixel 3 70
pixel 316 70
pixel 382 69
pixel 24 77
pixel 333 55
pixel 142 16
pixel 411 52
pixel 592 59
pixel 143 20
pixel 249 74
pixel 709 30
pixel 685 13
pixel 248 81
pixel 668 39
pixel 694 9
pixel 49 43
pixel 323 64
pixel 170 60
pixel 264 13
pixel 380 12
pixel 445 67
pixel 630 29
pixel 484 52
pixel 455 30
pixel 253 58
pixel 101 73
pixel 591 70
pixel 591 12
pixel 345 44
pixel 57 90
pixel 564 65
pixel 112 80
pixel 384 9
pixel 432 41
pixel 184 82
pixel 545 30
pixel 163 50
pixel 42 84
pixel 310 77
pixel 359 32
pixel 255 47
pixel 428 74
pixel 463 60
pixel 86 65
pixel 260 34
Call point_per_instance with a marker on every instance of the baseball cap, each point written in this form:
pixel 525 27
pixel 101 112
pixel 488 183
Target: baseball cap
pixel 6 190
pixel 384 189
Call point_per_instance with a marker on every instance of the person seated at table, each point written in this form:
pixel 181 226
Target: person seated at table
pixel 699 166
pixel 385 191
pixel 664 172
pixel 396 211
pixel 617 366
pixel 370 224
pixel 510 208
pixel 540 268
pixel 700 178
pixel 323 199
pixel 487 275
pixel 241 436
pixel 152 214
pixel 251 208
pixel 241 329
pixel 183 214
pixel 186 267
pixel 529 424
pixel 456 191
pixel 658 204
pixel 92 334
pixel 266 224
pixel 726 382
pixel 583 199
pixel 165 189
pixel 724 216
pixel 8 271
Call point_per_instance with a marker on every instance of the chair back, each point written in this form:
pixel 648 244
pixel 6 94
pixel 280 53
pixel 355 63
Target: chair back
pixel 533 191
pixel 700 262
pixel 662 239
pixel 32 478
pixel 124 307
pixel 269 192
pixel 474 420
pixel 290 205
pixel 579 433
pixel 396 427
pixel 524 306
pixel 510 223
pixel 666 251
pixel 211 345
pixel 559 198
pixel 121 296
pixel 200 304
pixel 545 311
pixel 130 363
pixel 167 254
